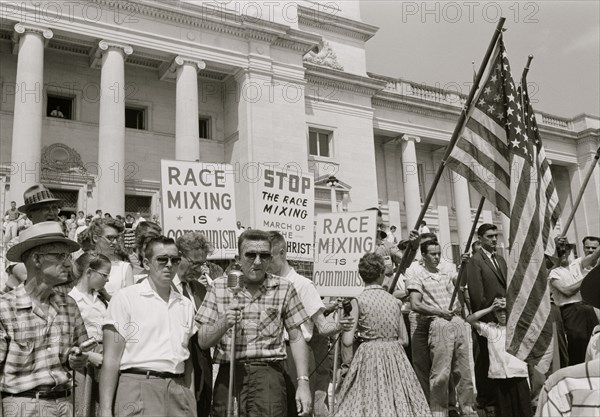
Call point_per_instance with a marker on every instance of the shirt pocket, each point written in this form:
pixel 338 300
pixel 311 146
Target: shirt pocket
pixel 21 353
pixel 270 322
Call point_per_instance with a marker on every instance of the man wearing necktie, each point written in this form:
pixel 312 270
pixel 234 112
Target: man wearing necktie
pixel 486 278
pixel 193 277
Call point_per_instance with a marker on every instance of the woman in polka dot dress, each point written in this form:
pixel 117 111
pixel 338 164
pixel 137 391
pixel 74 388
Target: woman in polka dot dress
pixel 381 380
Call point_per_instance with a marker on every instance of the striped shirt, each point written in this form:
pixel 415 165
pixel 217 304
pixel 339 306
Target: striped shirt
pixel 435 287
pixel 34 344
pixel 572 391
pixel 259 334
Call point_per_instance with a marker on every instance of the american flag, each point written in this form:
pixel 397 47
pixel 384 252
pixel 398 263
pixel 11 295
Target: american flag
pixel 503 159
pixel 481 152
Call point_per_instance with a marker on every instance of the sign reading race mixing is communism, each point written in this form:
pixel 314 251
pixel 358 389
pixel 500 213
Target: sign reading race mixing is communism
pixel 341 240
pixel 286 201
pixel 199 196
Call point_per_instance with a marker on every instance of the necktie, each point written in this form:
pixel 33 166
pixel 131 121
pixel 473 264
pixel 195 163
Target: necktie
pixel 184 290
pixel 495 262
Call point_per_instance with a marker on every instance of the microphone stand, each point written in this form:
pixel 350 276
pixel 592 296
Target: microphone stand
pixel 230 411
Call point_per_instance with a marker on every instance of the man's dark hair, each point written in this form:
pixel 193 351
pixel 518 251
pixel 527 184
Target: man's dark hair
pixel 592 238
pixel 160 240
pixel 254 235
pixel 427 244
pixel 484 228
pixel 423 223
pixel 428 236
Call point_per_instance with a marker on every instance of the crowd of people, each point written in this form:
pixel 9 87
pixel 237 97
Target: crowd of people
pixel 96 322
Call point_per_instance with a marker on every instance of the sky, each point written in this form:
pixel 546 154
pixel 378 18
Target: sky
pixel 436 42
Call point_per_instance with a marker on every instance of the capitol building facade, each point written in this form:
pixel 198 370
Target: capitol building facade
pixel 95 93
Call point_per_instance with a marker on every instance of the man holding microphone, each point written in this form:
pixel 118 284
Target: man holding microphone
pixel 264 305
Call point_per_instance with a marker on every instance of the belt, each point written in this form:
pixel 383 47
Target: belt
pixel 163 375
pixel 278 365
pixel 48 395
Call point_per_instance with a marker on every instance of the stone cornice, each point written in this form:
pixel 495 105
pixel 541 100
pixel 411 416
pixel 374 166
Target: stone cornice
pixel 218 19
pixel 322 19
pixel 342 80
pixel 413 105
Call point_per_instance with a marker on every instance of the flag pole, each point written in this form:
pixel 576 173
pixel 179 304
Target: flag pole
pixel 580 195
pixel 526 69
pixel 463 263
pixel 411 251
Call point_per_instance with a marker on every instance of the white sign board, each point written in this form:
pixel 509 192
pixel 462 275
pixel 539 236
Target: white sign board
pixel 198 196
pixel 286 203
pixel 341 240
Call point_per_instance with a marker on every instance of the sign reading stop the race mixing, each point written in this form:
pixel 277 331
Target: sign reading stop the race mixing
pixel 341 240
pixel 286 201
pixel 198 196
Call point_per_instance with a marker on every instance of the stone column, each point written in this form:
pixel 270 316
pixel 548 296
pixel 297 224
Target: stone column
pixel 187 144
pixel 462 203
pixel 111 135
pixel 26 150
pixel 410 175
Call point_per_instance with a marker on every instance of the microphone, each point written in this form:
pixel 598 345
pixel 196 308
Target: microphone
pixel 87 346
pixel 235 281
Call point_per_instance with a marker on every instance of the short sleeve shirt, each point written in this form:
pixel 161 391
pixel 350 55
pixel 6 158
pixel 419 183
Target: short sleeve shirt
pixel 503 365
pixel 311 300
pixel 34 344
pixel 259 334
pixel 156 333
pixel 435 287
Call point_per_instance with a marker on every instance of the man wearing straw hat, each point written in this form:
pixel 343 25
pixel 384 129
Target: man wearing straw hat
pixel 39 327
pixel 573 391
pixel 40 204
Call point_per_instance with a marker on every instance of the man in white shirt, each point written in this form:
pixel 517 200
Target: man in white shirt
pixel 318 342
pixel 579 319
pixel 146 339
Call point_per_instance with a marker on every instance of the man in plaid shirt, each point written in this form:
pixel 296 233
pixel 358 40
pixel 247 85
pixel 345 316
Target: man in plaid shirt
pixel 39 327
pixel 263 308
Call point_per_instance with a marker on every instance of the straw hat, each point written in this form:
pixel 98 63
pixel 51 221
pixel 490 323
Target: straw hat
pixel 590 287
pixel 35 195
pixel 37 235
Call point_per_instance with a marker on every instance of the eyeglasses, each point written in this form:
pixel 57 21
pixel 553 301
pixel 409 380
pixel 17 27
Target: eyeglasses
pixel 164 260
pixel 112 239
pixel 104 274
pixel 195 265
pixel 61 256
pixel 45 207
pixel 251 256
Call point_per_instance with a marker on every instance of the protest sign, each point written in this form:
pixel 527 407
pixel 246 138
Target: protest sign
pixel 341 240
pixel 198 196
pixel 286 201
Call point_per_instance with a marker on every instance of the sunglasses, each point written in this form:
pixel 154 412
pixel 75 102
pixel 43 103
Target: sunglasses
pixel 164 260
pixel 251 256
pixel 112 239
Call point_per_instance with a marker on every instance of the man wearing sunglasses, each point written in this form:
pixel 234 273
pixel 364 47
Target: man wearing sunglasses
pixel 192 280
pixel 265 306
pixel 39 326
pixel 146 338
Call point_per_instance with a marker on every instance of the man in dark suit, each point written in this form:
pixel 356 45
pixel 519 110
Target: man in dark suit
pixel 486 278
pixel 193 277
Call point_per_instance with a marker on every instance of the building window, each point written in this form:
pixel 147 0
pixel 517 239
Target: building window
pixel 319 143
pixel 60 107
pixel 135 118
pixel 138 204
pixel 204 127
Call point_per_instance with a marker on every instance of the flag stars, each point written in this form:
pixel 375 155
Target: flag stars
pixel 487 90
pixel 511 97
pixel 510 111
pixel 518 130
pixel 491 108
pixel 481 102
pixel 515 143
pixel 494 78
